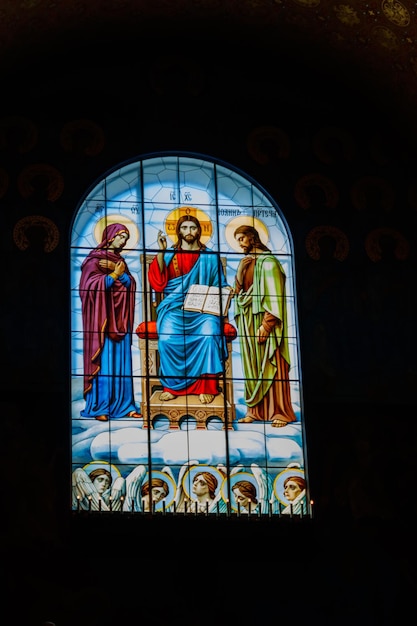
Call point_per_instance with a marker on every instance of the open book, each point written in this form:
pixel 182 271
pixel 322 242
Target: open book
pixel 207 299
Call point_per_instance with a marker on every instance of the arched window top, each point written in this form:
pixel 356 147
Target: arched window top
pixel 157 185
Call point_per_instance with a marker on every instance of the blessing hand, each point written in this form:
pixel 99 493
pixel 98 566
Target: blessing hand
pixel 162 240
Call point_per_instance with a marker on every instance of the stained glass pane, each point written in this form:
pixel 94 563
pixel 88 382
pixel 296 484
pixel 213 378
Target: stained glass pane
pixel 175 406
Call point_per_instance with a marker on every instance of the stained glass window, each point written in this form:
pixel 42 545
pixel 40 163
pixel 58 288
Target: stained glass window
pixel 179 405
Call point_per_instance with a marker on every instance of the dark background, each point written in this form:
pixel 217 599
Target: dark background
pixel 328 129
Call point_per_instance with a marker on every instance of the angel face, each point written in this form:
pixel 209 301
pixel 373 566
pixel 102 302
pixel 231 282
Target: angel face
pixel 292 490
pixel 158 494
pixel 243 500
pixel 101 483
pixel 200 487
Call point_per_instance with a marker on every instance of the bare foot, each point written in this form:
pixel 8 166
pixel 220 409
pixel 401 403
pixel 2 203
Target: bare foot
pixel 247 420
pixel 166 395
pixel 279 423
pixel 206 398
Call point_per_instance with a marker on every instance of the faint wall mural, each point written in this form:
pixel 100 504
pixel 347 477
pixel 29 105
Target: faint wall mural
pixel 386 38
pixel 42 181
pixel 396 12
pixel 268 144
pixel 372 193
pixel 82 137
pixel 340 247
pixel 49 230
pixel 315 191
pixel 333 145
pixel 382 241
pixel 307 3
pixel 347 15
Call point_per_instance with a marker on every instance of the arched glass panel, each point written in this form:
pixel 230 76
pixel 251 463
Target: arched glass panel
pixel 177 408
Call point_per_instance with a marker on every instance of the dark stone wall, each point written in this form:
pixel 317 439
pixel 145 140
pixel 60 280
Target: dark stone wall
pixel 344 175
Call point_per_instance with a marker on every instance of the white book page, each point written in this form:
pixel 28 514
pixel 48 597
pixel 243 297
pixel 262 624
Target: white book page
pixel 212 304
pixel 195 297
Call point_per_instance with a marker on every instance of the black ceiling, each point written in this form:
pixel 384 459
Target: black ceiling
pixel 355 57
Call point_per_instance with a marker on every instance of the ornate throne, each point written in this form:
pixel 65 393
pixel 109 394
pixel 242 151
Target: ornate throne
pixel 222 407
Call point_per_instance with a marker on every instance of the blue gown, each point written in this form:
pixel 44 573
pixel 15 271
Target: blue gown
pixel 112 391
pixel 191 344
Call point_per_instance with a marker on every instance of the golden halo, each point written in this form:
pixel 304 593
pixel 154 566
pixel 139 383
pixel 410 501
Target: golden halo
pixel 280 479
pixel 117 219
pixel 173 217
pixel 250 221
pixel 93 465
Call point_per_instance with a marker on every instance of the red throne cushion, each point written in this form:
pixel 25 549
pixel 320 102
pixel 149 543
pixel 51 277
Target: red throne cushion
pixel 147 330
pixel 230 331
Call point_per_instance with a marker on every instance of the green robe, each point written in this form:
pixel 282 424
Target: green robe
pixel 266 365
